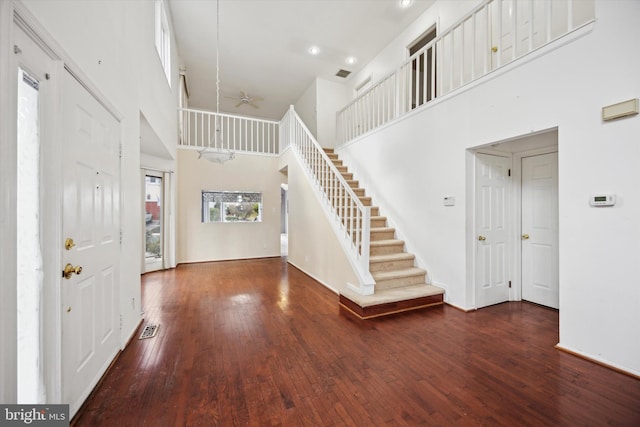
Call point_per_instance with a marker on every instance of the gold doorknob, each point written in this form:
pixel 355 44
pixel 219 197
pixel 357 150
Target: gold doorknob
pixel 494 49
pixel 525 237
pixel 482 238
pixel 70 269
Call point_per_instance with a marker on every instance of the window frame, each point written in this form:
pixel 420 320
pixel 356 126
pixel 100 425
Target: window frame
pixel 227 199
pixel 163 38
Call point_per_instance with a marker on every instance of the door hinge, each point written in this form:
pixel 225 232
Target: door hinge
pixel 121 322
pixel 509 283
pixel 120 148
pixel 509 172
pixel 121 237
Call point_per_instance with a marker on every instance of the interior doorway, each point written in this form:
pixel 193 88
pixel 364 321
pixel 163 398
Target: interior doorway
pixel 516 259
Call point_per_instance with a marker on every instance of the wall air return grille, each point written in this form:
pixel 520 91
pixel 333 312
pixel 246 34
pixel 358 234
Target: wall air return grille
pixel 343 73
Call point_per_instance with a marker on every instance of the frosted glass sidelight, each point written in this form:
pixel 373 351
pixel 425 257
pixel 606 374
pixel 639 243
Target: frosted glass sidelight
pixel 29 254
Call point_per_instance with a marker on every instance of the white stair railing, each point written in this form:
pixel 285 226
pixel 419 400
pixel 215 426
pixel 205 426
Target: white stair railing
pixel 492 35
pixel 205 129
pixel 351 219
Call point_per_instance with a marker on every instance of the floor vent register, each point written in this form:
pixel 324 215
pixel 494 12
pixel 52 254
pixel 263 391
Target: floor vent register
pixel 149 331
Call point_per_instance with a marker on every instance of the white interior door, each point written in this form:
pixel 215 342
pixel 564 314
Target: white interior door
pixel 91 173
pixel 516 28
pixel 492 209
pixel 540 277
pixel 500 32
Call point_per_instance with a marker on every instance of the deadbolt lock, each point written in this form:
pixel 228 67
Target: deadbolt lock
pixel 525 237
pixel 482 238
pixel 69 243
pixel 70 269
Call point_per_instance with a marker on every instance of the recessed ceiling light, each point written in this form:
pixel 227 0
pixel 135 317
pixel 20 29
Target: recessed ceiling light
pixel 314 50
pixel 351 60
pixel 405 3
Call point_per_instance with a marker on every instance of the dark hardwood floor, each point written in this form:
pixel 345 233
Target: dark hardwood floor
pixel 259 343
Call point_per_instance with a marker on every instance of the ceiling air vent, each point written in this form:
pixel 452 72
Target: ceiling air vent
pixel 343 73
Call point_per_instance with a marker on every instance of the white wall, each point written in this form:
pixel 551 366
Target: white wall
pixel 313 245
pixel 198 241
pixel 306 107
pixel 330 98
pixel 112 43
pixel 317 108
pixel 410 166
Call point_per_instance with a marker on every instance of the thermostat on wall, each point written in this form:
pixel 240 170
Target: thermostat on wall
pixel 603 200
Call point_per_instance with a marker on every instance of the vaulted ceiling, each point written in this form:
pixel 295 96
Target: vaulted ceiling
pixel 264 46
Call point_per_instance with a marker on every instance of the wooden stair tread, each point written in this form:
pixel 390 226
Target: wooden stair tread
pixel 387 296
pixel 397 274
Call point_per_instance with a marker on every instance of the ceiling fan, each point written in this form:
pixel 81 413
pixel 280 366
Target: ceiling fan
pixel 246 99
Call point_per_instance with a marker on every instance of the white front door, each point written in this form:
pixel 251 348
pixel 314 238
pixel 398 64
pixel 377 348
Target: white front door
pixel 492 209
pixel 540 277
pixel 91 216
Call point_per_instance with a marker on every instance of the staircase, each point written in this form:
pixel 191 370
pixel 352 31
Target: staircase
pixel 400 285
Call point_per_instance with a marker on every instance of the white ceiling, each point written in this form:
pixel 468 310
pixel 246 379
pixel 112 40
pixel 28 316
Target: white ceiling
pixel 264 45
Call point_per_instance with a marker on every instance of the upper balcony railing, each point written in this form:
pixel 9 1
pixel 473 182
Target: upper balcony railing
pixel 492 35
pixel 208 130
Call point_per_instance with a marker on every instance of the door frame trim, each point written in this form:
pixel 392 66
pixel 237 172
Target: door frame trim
pixel 8 175
pixel 163 223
